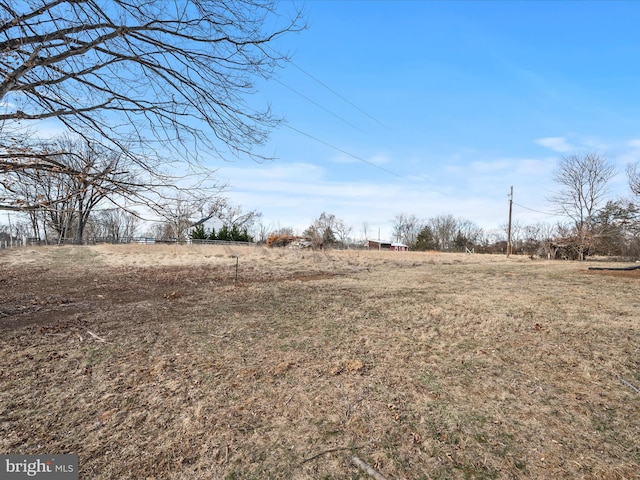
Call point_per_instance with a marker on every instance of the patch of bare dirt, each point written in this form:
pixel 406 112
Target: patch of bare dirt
pixel 618 273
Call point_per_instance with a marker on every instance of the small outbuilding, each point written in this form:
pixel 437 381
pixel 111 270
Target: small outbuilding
pixel 382 245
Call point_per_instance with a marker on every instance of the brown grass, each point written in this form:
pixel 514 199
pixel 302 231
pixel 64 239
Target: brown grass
pixel 423 365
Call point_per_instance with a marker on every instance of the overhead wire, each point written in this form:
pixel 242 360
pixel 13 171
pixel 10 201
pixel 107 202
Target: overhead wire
pixel 533 210
pixel 319 106
pixel 327 87
pixel 352 104
pixel 316 139
pixel 346 100
pixel 352 155
pixel 320 82
pixel 341 150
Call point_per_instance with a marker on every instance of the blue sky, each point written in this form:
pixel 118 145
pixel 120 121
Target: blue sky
pixel 440 108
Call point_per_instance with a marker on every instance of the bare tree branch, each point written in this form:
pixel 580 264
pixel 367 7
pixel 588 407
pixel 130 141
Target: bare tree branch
pixel 159 81
pixel 172 68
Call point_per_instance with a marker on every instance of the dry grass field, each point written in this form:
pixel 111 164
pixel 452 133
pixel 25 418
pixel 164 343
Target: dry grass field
pixel 152 362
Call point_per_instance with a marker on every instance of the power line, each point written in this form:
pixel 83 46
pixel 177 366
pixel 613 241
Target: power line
pixel 320 82
pixel 537 211
pixel 343 151
pixel 319 106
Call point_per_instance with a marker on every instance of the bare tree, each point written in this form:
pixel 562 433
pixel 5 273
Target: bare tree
pixel 583 180
pixel 495 236
pixel 114 225
pixel 159 231
pixel 261 232
pixel 365 230
pixel 156 80
pixel 322 231
pixel 342 231
pixel 444 229
pixel 470 233
pixel 537 239
pixel 406 229
pixel 633 174
pixel 232 215
pixel 68 200
pixel 180 213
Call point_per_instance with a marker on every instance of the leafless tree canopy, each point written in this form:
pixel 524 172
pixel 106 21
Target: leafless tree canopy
pixel 633 174
pixel 583 181
pixel 406 228
pixel 71 199
pixel 158 81
pixel 327 230
pixel 124 69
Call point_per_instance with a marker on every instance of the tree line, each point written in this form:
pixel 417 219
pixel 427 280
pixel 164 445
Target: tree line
pixel 589 223
pixel 83 207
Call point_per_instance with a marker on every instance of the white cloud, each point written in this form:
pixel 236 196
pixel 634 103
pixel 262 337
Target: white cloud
pixel 557 144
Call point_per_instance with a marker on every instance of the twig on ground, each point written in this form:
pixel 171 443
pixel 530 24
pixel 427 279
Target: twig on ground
pixel 327 451
pixel 632 387
pixel 367 468
pixel 349 407
pixel 100 339
pixel 535 390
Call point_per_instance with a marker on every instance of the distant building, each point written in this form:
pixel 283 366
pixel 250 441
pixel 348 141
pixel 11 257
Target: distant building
pixel 382 245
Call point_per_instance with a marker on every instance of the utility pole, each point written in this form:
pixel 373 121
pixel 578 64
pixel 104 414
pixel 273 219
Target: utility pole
pixel 509 247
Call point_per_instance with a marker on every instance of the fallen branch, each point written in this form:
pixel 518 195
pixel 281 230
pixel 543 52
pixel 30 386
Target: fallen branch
pixel 368 469
pixel 635 267
pixel 100 339
pixel 328 451
pixel 624 382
